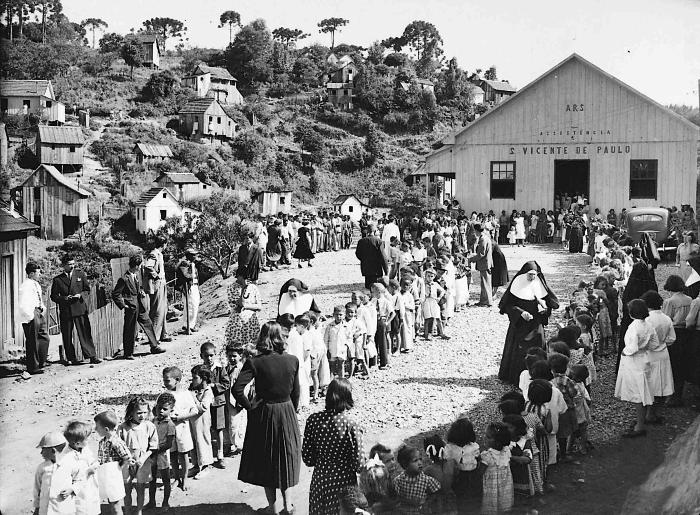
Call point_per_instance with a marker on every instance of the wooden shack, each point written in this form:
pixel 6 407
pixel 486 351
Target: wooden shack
pixel 184 186
pixel 55 203
pixel 204 118
pixel 273 202
pixel 23 97
pixel 150 48
pixel 14 230
pixel 148 154
pixel 61 147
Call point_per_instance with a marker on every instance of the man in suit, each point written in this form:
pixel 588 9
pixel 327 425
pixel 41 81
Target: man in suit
pixel 129 296
pixel 187 281
pixel 66 291
pixel 484 263
pixel 370 252
pixel 154 285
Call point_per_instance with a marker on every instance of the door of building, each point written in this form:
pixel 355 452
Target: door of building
pixel 7 313
pixel 572 177
pixel 71 224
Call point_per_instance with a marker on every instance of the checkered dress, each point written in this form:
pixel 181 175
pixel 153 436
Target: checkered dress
pixel 412 492
pixel 498 481
pixel 112 448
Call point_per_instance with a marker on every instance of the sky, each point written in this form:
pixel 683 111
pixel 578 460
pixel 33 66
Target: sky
pixel 652 45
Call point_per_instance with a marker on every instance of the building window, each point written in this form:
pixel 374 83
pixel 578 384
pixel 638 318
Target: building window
pixel 643 178
pixel 71 148
pixel 49 103
pixel 204 186
pixel 165 195
pixel 138 214
pixel 211 118
pixel 27 103
pixel 347 92
pixel 350 209
pixel 503 179
pixel 143 214
pixel 180 186
pixel 53 147
pixel 281 200
pixel 218 119
pixel 163 214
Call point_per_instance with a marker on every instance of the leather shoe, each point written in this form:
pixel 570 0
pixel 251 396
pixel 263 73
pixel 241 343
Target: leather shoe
pixel 95 361
pixel 157 350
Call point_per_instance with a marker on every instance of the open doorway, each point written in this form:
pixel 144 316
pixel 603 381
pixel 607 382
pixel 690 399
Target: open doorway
pixel 571 177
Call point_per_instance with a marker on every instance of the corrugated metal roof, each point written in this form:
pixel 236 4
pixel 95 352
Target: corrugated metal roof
pixel 180 177
pixel 216 72
pixel 61 179
pixel 500 85
pixel 12 221
pixel 61 135
pixel 198 106
pixel 142 38
pixel 153 150
pixel 12 88
pixel 149 195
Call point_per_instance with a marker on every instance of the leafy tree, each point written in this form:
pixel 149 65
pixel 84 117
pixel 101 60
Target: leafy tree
pixel 111 42
pixel 288 36
pixel 331 25
pixel 396 60
pixel 423 38
pixel 131 53
pixel 165 28
pixel 305 71
pixel 25 59
pixel 160 85
pixel 373 145
pixel 93 24
pixel 248 57
pixel 48 8
pixel 373 91
pixel 229 18
pixel 395 44
pixel 490 74
pixel 312 142
pixel 375 53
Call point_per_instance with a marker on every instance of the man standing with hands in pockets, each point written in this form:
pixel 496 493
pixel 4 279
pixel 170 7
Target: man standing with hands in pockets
pixel 484 264
pixel 32 312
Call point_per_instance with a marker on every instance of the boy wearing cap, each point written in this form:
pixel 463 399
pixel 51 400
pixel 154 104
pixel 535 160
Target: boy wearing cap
pixel 59 479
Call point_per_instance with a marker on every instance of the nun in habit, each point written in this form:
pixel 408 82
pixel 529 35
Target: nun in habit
pixel 692 284
pixel 528 302
pixel 295 298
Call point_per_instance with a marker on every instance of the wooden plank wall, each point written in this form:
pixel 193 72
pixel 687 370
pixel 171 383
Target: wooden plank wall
pixel 18 250
pixel 61 155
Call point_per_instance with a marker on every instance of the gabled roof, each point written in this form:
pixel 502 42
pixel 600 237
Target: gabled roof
pixel 12 221
pixel 424 81
pixel 340 199
pixel 500 85
pixel 61 179
pixel 198 106
pixel 216 72
pixel 573 57
pixel 149 195
pixel 259 193
pixel 153 150
pixel 18 88
pixel 61 135
pixel 143 37
pixel 179 177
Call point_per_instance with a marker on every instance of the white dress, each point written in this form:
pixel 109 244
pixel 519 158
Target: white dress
pixel 634 375
pixel 661 375
pixel 519 228
pixel 298 345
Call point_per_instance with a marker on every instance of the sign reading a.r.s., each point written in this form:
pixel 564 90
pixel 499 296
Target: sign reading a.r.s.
pixel 575 108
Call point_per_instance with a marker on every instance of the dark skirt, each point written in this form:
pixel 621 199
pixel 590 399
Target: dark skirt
pixel 467 484
pixel 272 448
pixel 576 240
pixel 499 273
pixel 515 349
pixel 303 251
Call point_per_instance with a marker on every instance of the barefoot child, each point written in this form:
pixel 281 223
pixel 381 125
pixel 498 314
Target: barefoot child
pixel 367 314
pixel 184 410
pixel 408 324
pixel 58 479
pixel 337 343
pixel 160 464
pixel 320 373
pixel 200 425
pixel 112 455
pixel 141 439
pixel 219 386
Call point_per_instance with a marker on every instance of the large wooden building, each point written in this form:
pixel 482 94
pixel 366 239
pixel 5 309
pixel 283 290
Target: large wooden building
pixel 214 82
pixel 55 203
pixel 575 129
pixel 14 230
pixel 204 118
pixel 23 97
pixel 61 147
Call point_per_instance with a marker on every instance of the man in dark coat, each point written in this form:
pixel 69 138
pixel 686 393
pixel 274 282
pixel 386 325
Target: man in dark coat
pixel 130 297
pixel 66 291
pixel 484 264
pixel 370 252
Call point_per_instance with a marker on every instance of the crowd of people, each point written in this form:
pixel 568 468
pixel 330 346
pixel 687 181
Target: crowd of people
pixel 244 396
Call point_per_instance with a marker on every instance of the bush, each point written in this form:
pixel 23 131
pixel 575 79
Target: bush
pixel 396 122
pixel 160 85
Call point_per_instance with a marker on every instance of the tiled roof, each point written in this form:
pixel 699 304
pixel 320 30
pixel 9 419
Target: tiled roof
pixel 12 221
pixel 197 106
pixel 18 88
pixel 180 177
pixel 500 85
pixel 153 150
pixel 61 179
pixel 149 195
pixel 216 72
pixel 61 135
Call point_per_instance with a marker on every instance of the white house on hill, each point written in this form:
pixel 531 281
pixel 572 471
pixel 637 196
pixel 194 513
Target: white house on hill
pixel 214 82
pixel 23 97
pixel 155 206
pixel 350 205
pixel 184 186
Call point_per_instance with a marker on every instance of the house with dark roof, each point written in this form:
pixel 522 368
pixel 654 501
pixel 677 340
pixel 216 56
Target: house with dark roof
pixel 496 90
pixel 214 82
pixel 205 118
pixel 151 48
pixel 155 206
pixel 349 205
pixel 55 203
pixel 150 153
pixel 61 147
pixel 184 186
pixel 23 97
pixel 14 230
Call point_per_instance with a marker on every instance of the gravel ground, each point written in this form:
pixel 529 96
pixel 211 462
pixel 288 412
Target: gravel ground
pixel 420 394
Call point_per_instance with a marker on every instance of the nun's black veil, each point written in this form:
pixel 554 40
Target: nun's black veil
pixel 550 299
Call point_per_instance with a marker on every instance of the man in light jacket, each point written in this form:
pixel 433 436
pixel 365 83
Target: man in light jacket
pixel 484 263
pixel 32 315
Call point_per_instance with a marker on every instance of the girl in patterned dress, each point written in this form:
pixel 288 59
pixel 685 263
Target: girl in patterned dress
pixel 243 327
pixel 537 415
pixel 498 479
pixel 521 455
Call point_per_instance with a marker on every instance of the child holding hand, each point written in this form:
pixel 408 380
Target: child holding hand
pixel 219 386
pixel 87 500
pixel 58 479
pixel 184 410
pixel 462 452
pixel 160 464
pixel 442 470
pixel 320 373
pixel 237 416
pixel 112 455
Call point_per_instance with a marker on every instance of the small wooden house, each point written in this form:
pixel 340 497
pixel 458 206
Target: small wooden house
pixel 55 203
pixel 14 230
pixel 155 206
pixel 150 48
pixel 184 186
pixel 214 82
pixel 148 154
pixel 61 147
pixel 340 83
pixel 205 118
pixel 349 205
pixel 273 202
pixel 23 97
pixel 496 90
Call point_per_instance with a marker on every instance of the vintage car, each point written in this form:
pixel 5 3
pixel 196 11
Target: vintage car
pixel 656 221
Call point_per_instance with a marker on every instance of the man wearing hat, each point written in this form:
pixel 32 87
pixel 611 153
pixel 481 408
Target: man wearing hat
pixel 370 252
pixel 187 281
pixel 484 264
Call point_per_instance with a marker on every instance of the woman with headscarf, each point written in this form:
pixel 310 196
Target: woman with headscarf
pixel 294 298
pixel 528 302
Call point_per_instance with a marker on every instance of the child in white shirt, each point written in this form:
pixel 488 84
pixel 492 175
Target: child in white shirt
pixel 58 480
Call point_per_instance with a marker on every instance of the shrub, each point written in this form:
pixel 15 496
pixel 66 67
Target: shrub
pixel 396 122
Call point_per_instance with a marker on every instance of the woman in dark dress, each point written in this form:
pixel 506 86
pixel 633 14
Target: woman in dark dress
pixel 576 235
pixel 333 447
pixel 303 245
pixel 249 258
pixel 499 272
pixel 528 302
pixel 272 448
